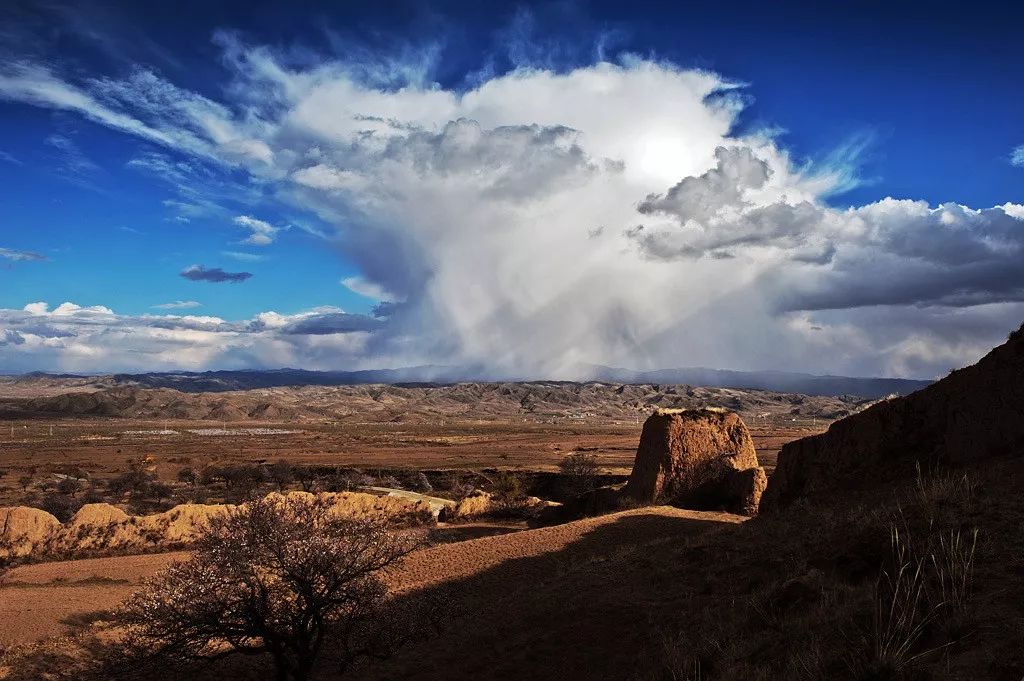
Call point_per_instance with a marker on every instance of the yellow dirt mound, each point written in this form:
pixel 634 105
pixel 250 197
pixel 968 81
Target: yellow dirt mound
pixel 97 514
pixel 183 524
pixel 477 504
pixel 98 527
pixel 22 528
pixel 363 505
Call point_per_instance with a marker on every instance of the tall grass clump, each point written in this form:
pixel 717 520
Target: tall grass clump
pixel 952 564
pixel 901 609
pixel 925 587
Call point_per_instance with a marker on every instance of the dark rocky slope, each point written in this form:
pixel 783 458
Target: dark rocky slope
pixel 974 413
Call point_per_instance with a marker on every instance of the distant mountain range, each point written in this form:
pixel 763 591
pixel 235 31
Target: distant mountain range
pixel 776 381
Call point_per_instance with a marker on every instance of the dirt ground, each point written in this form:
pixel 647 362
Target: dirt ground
pixel 54 599
pixel 103 447
pixel 58 598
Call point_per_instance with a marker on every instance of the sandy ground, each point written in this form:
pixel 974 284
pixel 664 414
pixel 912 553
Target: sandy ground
pixel 457 561
pixel 53 599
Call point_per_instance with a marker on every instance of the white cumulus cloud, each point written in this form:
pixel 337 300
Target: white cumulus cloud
pixel 541 221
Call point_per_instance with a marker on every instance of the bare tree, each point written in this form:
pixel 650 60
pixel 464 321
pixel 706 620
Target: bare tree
pixel 273 577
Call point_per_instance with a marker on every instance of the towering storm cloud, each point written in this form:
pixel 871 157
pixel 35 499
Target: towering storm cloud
pixel 541 222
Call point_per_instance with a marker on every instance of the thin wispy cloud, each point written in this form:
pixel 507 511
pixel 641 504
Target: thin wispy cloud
pixel 245 257
pixel 72 163
pixel 16 255
pixel 261 232
pixel 1017 156
pixel 214 275
pixel 178 305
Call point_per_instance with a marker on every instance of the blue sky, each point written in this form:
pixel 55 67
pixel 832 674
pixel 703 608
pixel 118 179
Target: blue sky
pixel 139 142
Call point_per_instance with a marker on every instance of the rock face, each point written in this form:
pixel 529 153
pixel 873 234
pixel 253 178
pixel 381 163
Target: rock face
pixel 741 490
pixel 972 414
pixel 697 458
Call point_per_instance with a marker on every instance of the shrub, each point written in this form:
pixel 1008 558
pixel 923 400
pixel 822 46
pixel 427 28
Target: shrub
pixel 134 482
pixel 60 506
pixel 91 496
pixel 389 481
pixel 281 474
pixel 188 476
pixel 306 477
pixel 508 485
pixel 210 475
pixel 580 470
pixel 274 578
pixel 160 490
pixel 508 495
pixel 69 486
pixel 459 488
pixel 242 481
pixel 421 483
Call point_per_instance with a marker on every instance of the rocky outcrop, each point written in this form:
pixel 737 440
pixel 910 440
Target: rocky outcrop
pixel 697 458
pixel 741 490
pixel 972 414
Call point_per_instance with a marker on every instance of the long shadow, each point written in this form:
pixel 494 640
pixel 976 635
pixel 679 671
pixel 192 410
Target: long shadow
pixel 586 610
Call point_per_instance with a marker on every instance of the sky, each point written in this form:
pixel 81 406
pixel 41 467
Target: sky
pixel 530 190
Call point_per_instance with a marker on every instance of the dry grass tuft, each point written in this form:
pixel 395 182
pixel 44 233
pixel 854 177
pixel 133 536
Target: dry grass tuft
pixel 940 489
pixel 902 612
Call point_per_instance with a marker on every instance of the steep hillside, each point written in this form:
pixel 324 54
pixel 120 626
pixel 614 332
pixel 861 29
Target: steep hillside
pixel 974 413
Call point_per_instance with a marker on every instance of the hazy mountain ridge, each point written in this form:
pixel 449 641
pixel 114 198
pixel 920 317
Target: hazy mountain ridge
pixel 414 403
pixel 232 380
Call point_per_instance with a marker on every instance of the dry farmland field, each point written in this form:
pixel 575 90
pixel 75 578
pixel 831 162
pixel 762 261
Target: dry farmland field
pixel 104 447
pixel 90 430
